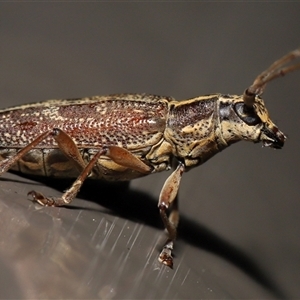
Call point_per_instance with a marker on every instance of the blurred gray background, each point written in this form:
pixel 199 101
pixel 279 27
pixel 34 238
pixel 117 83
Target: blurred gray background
pixel 240 226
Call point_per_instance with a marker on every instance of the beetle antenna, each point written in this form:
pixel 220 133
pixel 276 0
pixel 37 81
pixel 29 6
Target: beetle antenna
pixel 277 69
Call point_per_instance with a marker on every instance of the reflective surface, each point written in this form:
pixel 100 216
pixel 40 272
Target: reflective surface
pixel 88 251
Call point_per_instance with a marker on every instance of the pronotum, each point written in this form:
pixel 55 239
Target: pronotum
pixel 125 136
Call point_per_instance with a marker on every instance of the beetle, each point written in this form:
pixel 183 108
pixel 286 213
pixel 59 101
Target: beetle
pixel 125 136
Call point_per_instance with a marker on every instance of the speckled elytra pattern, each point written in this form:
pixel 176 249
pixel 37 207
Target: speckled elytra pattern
pixel 91 122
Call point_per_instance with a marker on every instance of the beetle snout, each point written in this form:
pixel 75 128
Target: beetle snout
pixel 273 137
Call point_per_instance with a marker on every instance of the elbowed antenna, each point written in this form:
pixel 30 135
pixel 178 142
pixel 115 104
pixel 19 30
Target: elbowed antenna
pixel 277 69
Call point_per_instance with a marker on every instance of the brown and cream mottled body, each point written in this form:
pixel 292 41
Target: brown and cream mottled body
pixel 154 128
pixel 125 136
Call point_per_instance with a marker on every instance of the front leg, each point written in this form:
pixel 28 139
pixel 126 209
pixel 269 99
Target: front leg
pixel 168 196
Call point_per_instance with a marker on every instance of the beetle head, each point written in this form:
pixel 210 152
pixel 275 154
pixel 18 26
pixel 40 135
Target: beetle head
pixel 251 120
pixel 256 125
pixel 241 122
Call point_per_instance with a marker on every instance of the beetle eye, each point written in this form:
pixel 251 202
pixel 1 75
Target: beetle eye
pixel 247 114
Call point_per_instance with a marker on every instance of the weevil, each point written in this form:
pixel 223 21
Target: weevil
pixel 125 136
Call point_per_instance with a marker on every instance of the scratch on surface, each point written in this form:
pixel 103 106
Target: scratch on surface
pixel 140 226
pixel 124 261
pixel 110 229
pixel 143 273
pixel 175 273
pixel 97 229
pixel 73 225
pixel 117 239
pixel 152 249
pixel 159 275
pixel 167 290
pixel 185 277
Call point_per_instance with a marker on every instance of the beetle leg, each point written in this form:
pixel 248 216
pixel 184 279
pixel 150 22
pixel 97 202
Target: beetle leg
pixel 168 196
pixel 68 147
pixel 69 195
pixel 117 154
pixel 174 212
pixel 125 158
pixel 65 143
pixel 6 164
